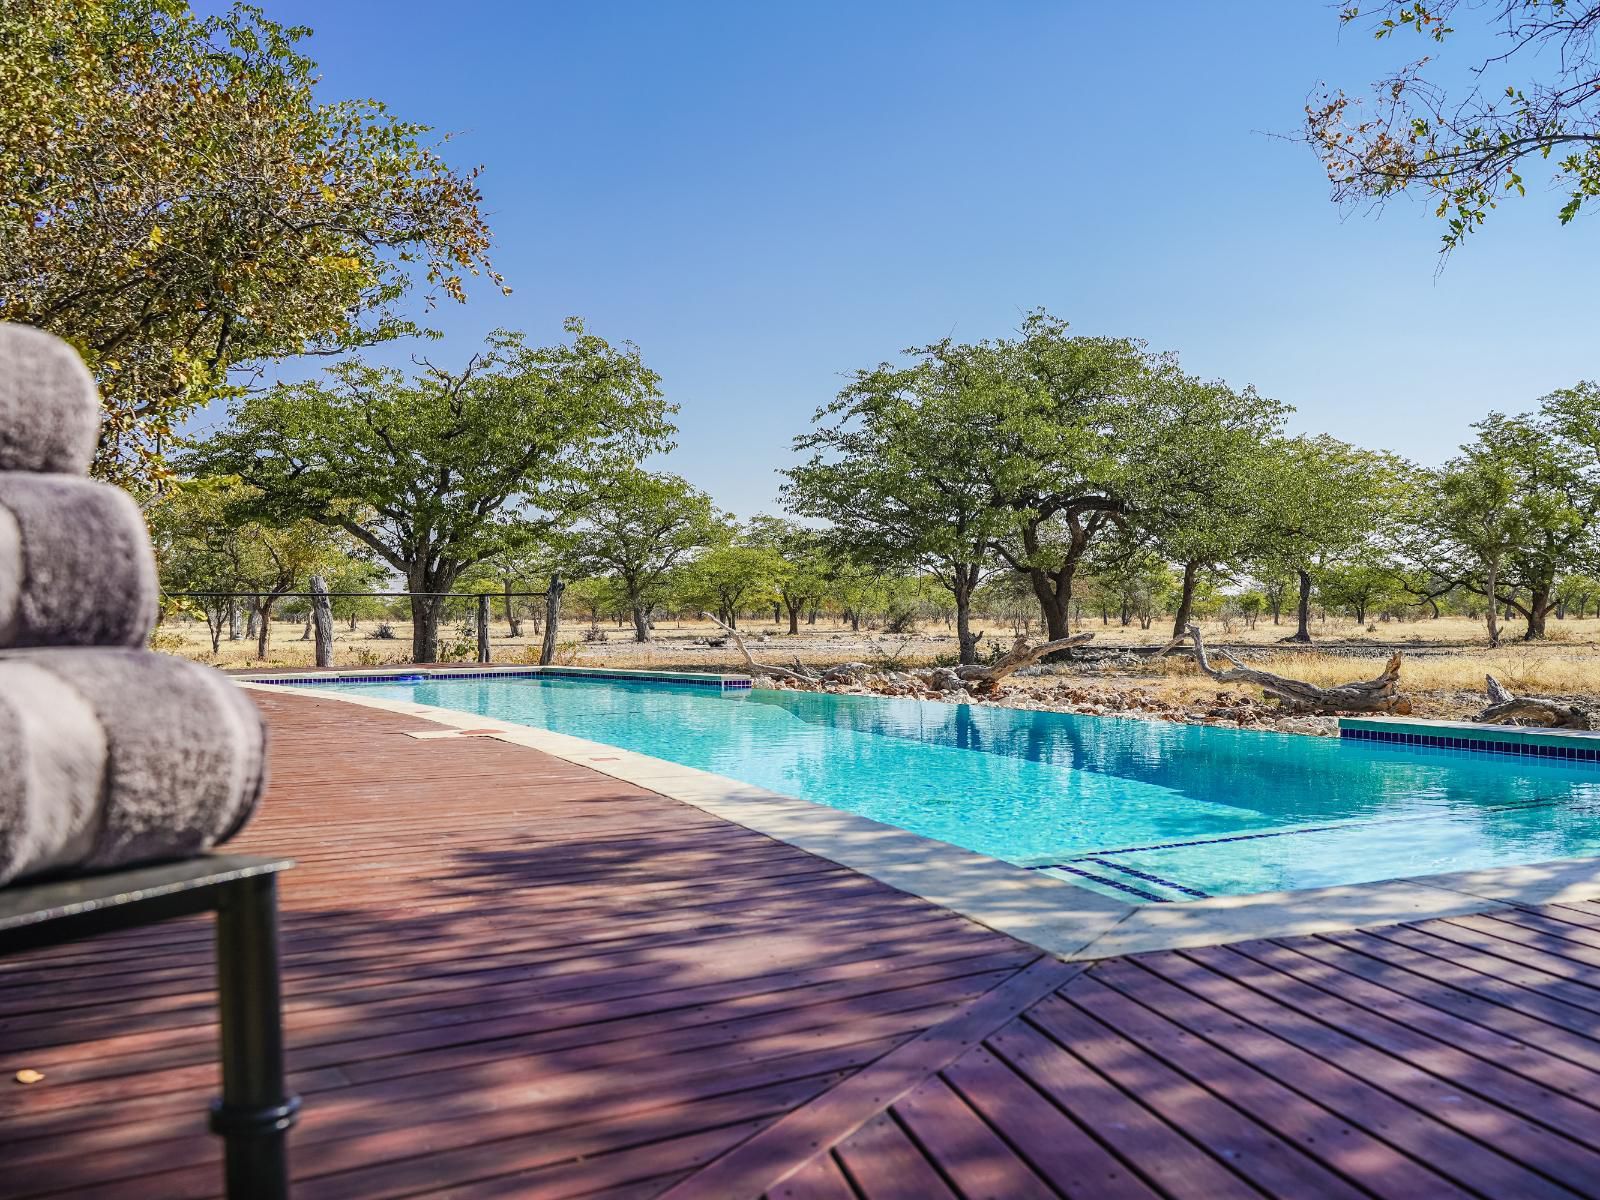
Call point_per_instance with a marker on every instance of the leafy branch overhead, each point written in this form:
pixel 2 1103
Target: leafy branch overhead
pixel 181 206
pixel 1466 137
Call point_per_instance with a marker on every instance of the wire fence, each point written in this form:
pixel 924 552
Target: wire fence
pixel 226 611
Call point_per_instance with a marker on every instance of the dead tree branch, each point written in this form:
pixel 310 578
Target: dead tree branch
pixel 1374 695
pixel 1506 708
pixel 800 675
pixel 1022 654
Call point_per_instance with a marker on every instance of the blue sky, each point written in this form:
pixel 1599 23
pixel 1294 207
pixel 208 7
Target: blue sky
pixel 766 196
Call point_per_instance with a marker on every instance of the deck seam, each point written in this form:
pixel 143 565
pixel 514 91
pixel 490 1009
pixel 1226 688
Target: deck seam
pixel 763 1160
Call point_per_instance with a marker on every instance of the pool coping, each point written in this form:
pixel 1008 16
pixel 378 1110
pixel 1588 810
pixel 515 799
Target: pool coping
pixel 1070 922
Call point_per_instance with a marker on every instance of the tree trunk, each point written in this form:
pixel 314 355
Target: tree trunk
pixel 233 620
pixel 322 620
pixel 305 629
pixel 263 617
pixel 511 613
pixel 1494 616
pixel 1302 631
pixel 641 623
pixel 253 618
pixel 1538 608
pixel 1191 576
pixel 552 617
pixel 425 611
pixel 794 616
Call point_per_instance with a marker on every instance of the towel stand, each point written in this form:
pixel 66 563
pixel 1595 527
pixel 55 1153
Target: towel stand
pixel 255 1111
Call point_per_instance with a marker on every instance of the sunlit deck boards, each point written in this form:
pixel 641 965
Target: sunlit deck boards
pixel 509 976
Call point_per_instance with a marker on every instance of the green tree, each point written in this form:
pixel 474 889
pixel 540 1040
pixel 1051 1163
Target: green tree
pixel 639 528
pixel 804 551
pixel 898 470
pixel 731 579
pixel 444 471
pixel 196 550
pixel 1358 586
pixel 1475 509
pixel 1574 594
pixel 178 204
pixel 1197 482
pixel 1008 447
pixel 1064 416
pixel 1323 499
pixel 1537 98
pixel 1551 460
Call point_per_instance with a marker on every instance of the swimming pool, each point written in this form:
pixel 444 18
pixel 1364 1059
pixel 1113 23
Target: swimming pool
pixel 1145 811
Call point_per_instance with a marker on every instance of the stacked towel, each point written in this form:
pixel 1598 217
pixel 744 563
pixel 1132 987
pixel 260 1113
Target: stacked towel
pixel 75 564
pixel 109 754
pixel 49 409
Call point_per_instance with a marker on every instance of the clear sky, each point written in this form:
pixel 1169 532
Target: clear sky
pixel 764 196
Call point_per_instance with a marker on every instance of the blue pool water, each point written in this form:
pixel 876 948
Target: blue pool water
pixel 1143 810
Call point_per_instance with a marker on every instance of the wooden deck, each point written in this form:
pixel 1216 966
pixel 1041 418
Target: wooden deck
pixel 508 976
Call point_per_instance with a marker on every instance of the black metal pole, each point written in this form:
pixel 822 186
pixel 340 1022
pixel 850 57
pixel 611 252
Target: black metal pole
pixel 254 1113
pixel 483 627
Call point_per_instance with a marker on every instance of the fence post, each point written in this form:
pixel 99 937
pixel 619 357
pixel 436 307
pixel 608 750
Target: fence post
pixel 552 613
pixel 322 619
pixel 483 627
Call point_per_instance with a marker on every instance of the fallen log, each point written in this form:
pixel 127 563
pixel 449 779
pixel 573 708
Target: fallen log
pixel 1373 695
pixel 802 674
pixel 1506 708
pixel 987 679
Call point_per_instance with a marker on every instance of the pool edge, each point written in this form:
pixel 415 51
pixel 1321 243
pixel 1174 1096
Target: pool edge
pixel 1070 922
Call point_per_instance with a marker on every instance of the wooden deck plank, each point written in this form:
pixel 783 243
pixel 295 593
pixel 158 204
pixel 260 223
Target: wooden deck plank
pixel 476 937
pixel 1498 1009
pixel 509 976
pixel 1127 1128
pixel 884 1164
pixel 964 1149
pixel 820 1179
pixel 1048 1140
pixel 1214 1113
pixel 1403 1046
pixel 1341 1075
pixel 1485 1042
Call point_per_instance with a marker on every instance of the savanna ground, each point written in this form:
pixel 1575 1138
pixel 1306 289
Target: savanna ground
pixel 1443 673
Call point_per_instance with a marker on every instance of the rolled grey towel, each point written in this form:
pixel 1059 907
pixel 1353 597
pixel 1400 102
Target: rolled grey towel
pixel 49 406
pixel 110 757
pixel 76 567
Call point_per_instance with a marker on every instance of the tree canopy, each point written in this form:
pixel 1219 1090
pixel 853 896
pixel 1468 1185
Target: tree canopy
pixel 178 204
pixel 444 470
pixel 1466 140
pixel 641 527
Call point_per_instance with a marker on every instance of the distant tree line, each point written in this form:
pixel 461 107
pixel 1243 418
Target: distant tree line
pixel 1032 481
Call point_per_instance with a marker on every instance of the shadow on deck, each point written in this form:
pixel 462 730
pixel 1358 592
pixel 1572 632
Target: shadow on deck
pixel 509 976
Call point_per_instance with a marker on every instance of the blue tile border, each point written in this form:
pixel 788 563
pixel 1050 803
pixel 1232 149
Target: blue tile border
pixel 1544 743
pixel 721 682
pixel 1148 877
pixel 1112 883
